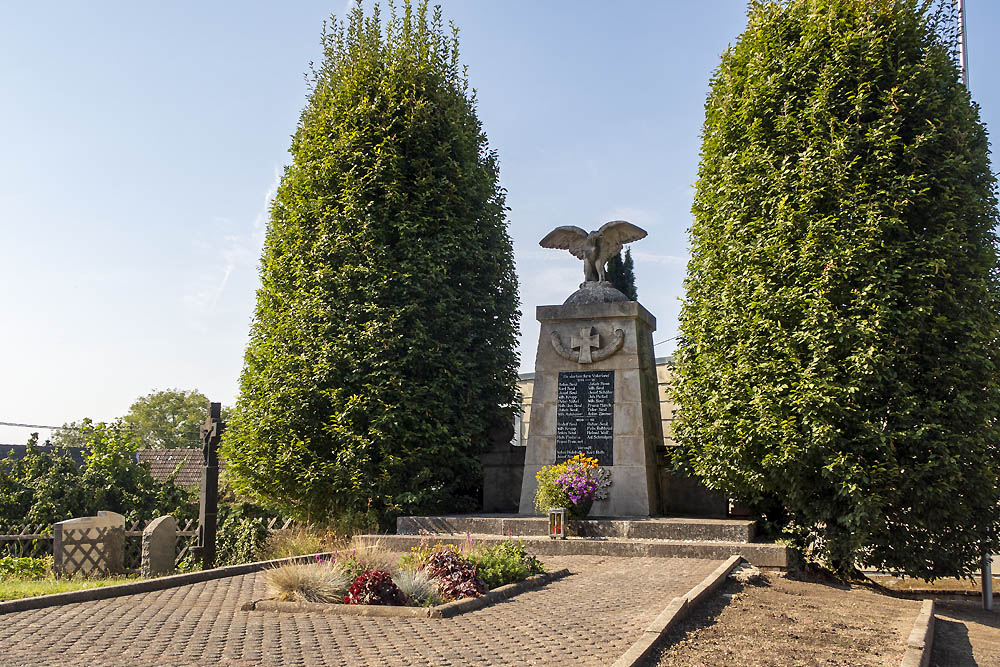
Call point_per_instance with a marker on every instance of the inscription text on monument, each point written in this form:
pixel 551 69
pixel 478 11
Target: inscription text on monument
pixel 585 415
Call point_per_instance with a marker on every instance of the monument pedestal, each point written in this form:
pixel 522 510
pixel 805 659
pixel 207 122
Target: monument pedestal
pixel 595 391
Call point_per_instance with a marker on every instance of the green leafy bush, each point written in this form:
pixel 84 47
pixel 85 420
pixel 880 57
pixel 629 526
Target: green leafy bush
pixel 44 487
pixel 383 343
pixel 24 568
pixel 505 563
pixel 242 533
pixel 840 331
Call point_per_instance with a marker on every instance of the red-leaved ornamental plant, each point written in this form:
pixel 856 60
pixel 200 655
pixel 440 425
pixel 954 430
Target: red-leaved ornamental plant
pixel 375 587
pixel 455 575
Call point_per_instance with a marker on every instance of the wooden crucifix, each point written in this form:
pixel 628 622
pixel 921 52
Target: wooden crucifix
pixel 211 434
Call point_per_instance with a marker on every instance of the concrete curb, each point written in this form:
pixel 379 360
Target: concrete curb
pixel 921 639
pixel 674 612
pixel 147 585
pixel 446 610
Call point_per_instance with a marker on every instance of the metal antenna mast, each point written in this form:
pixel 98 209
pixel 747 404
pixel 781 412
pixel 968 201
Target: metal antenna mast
pixel 963 48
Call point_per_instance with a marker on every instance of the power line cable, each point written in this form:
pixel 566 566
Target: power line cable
pixel 78 428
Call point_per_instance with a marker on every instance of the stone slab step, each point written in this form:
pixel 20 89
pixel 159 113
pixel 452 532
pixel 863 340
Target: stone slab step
pixel 643 528
pixel 761 554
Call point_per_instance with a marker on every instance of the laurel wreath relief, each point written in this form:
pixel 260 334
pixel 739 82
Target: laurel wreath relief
pixel 585 343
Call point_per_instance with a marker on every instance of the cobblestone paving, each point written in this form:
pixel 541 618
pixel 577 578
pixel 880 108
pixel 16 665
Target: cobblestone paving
pixel 588 618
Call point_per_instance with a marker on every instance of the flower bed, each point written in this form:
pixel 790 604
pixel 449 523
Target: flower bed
pixel 428 581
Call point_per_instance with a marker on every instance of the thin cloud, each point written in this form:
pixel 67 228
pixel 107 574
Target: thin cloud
pixel 237 251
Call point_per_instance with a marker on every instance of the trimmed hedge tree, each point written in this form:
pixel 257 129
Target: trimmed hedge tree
pixel 621 274
pixel 840 330
pixel 382 348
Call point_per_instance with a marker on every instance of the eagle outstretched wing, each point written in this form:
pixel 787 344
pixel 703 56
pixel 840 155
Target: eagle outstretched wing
pixel 613 236
pixel 568 237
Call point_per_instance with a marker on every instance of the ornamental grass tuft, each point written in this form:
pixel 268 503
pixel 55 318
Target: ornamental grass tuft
pixel 418 586
pixel 312 582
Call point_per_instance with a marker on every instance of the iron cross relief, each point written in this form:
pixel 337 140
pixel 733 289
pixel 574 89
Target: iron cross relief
pixel 586 340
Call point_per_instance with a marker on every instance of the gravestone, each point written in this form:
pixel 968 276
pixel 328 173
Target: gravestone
pixel 595 391
pixel 159 546
pixel 91 545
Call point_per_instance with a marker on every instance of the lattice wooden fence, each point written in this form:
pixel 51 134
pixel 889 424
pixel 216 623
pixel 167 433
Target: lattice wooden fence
pixel 288 524
pixel 186 538
pixel 34 540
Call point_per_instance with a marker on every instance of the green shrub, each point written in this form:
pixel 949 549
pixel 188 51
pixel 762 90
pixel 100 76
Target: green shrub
pixel 44 487
pixel 505 563
pixel 382 348
pixel 840 333
pixel 12 567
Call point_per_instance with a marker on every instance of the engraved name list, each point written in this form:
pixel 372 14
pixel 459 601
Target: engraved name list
pixel 585 415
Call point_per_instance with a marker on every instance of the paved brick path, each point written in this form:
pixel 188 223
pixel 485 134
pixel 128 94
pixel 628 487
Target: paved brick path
pixel 588 618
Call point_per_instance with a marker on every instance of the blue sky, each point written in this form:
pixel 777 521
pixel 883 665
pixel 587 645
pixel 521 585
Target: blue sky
pixel 140 143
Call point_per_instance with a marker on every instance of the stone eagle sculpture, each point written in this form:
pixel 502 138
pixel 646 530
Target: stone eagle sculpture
pixel 595 248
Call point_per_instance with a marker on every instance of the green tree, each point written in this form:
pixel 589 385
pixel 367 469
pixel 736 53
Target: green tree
pixel 382 347
pixel 169 419
pixel 46 487
pixel 621 273
pixel 840 329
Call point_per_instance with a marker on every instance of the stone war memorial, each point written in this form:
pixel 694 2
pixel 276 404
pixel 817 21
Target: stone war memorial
pixel 595 392
pixel 595 380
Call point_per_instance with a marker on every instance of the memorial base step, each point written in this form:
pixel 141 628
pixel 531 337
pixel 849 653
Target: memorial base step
pixel 760 554
pixel 519 525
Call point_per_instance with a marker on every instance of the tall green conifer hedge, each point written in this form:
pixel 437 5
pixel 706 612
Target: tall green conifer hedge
pixel 840 329
pixel 382 348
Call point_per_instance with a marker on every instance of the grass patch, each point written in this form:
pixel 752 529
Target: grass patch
pixel 15 589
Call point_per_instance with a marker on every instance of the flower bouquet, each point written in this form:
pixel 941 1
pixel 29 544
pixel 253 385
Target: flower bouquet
pixel 574 484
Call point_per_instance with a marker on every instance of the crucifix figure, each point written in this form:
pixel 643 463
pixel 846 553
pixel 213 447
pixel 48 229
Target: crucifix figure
pixel 586 340
pixel 211 434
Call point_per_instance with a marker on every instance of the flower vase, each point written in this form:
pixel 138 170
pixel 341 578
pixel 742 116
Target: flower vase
pixel 581 509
